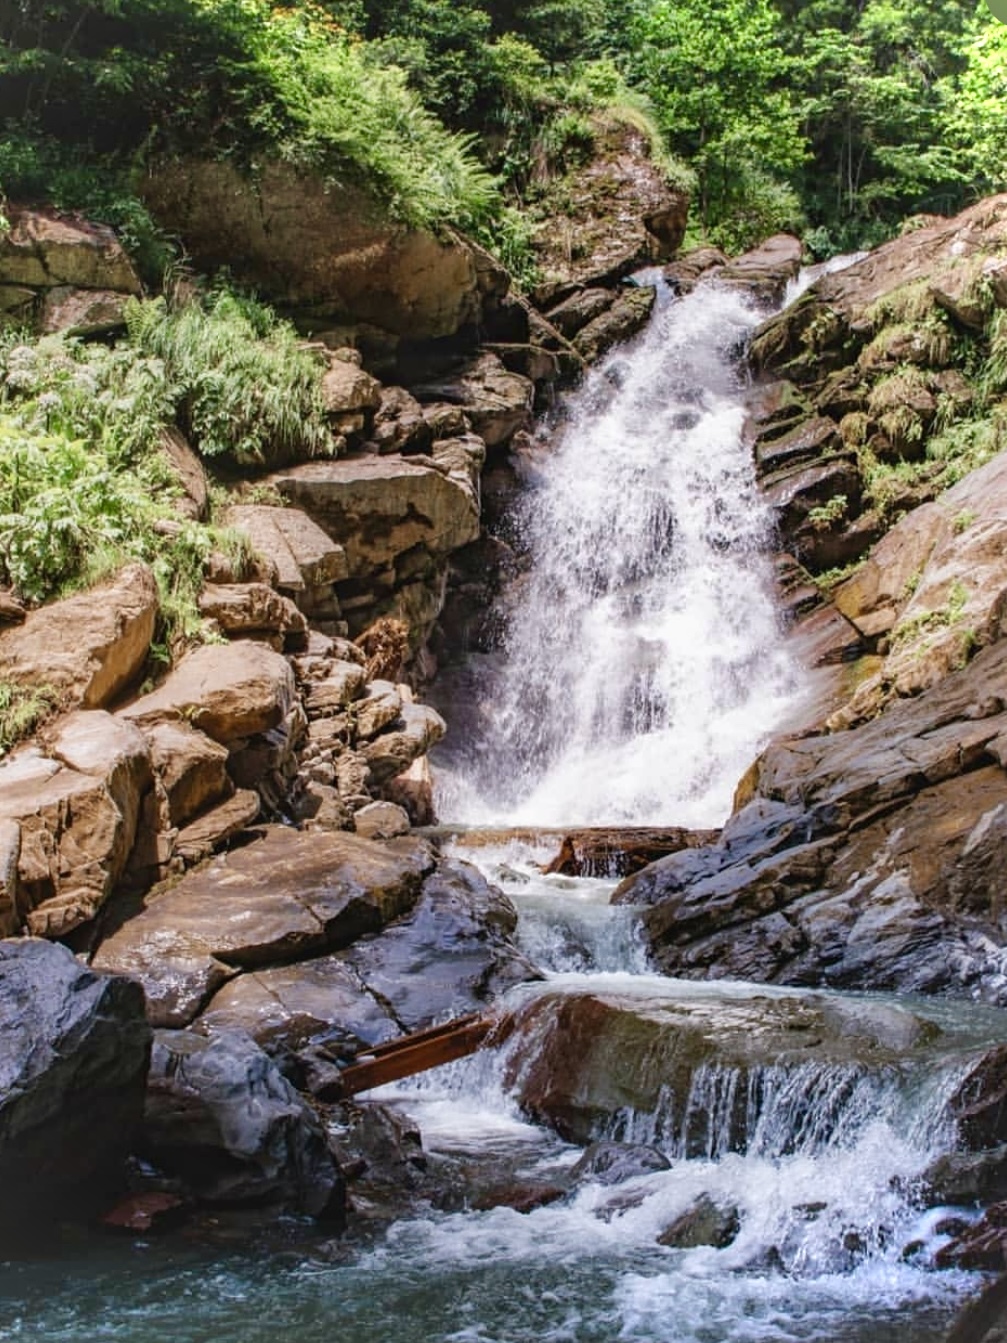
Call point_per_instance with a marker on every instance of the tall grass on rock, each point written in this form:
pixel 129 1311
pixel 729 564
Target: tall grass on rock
pixel 242 387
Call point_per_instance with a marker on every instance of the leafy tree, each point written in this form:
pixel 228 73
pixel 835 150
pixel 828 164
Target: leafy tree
pixel 716 75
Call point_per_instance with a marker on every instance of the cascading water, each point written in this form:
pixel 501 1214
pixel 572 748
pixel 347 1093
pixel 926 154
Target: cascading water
pixel 643 663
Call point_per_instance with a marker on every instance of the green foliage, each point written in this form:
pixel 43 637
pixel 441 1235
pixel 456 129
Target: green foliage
pixel 717 77
pixel 22 710
pixel 239 78
pixel 37 168
pixel 84 486
pixel 241 386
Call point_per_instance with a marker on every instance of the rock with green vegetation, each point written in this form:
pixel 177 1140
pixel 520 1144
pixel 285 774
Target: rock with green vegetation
pixel 327 252
pixel 608 216
pixel 935 589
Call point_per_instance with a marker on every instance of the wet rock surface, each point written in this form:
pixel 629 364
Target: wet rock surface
pixel 864 860
pixel 220 1116
pixel 73 1058
pixel 696 1069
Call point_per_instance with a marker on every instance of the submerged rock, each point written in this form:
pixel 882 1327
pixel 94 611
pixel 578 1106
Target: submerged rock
pixel 73 1057
pixel 614 1162
pixel 705 1223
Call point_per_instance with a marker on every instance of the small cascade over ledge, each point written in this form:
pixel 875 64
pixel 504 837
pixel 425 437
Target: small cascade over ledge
pixel 643 665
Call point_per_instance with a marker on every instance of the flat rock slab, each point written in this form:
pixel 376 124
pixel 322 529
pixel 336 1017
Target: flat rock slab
pixel 285 897
pixel 73 1059
pixel 700 1066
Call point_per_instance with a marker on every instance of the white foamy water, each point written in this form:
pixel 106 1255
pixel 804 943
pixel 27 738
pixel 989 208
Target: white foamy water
pixel 643 666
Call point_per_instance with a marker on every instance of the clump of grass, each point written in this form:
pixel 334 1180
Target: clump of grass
pixel 242 387
pixel 22 710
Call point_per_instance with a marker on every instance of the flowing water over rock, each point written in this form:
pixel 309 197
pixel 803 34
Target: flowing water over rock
pixel 643 665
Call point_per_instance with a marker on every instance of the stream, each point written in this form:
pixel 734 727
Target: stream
pixel 644 668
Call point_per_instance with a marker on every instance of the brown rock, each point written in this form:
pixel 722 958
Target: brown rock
pixel 495 402
pixel 381 820
pixel 244 608
pixel 347 389
pixel 227 691
pixel 82 312
pixel 618 213
pixel 77 810
pixel 286 896
pixel 380 507
pixel 301 555
pixel 765 270
pixel 10 854
pixel 215 827
pixel 393 751
pixel 343 683
pixel 191 767
pixel 380 706
pixel 579 309
pixel 627 315
pixel 685 272
pixel 187 469
pixel 147 1213
pixel 45 249
pixel 88 647
pixel 312 1014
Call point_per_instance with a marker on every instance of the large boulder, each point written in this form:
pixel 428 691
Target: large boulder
pixel 229 691
pixel 73 1058
pixel 452 954
pixel 77 801
pixel 89 647
pixel 327 250
pixel 703 1069
pixel 221 1116
pixel 284 897
pixel 379 508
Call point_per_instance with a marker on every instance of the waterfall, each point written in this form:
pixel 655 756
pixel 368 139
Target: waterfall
pixel 643 664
